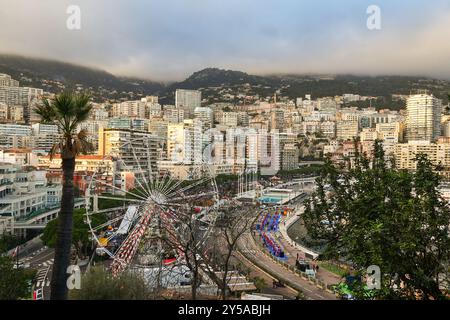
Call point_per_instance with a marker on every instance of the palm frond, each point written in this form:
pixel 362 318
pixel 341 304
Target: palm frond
pixel 64 104
pixel 81 145
pixel 46 111
pixel 56 149
pixel 83 108
pixel 67 110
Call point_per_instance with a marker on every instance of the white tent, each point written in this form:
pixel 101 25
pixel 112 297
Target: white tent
pixel 127 220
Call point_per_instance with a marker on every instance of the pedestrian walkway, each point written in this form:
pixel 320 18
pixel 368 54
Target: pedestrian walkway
pixel 46 263
pixel 286 223
pixel 42 277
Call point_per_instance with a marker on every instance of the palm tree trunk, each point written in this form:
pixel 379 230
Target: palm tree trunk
pixel 59 288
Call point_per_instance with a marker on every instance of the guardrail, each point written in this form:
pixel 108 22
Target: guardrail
pixel 30 221
pixel 284 232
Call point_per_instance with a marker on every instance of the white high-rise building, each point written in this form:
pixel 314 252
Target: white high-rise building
pixel 6 81
pixel 22 192
pixel 346 130
pixel 206 116
pixel 134 109
pixel 19 95
pixel 172 114
pixel 40 128
pixel 184 142
pixel 154 110
pixel 45 136
pixel 137 150
pixel 20 100
pixel 15 129
pixel 424 117
pixel 188 100
pixel 98 113
pixel 229 119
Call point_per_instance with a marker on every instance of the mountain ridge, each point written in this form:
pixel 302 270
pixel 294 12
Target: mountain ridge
pixel 36 71
pixel 54 76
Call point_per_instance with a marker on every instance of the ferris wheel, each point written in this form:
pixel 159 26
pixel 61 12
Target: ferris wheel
pixel 150 213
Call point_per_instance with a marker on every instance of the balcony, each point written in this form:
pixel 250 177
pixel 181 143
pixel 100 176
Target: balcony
pixel 6 183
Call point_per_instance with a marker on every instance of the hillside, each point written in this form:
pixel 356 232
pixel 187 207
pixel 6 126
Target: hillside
pixel 380 86
pixel 213 77
pixel 216 84
pixel 53 76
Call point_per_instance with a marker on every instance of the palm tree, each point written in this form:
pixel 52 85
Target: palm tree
pixel 66 110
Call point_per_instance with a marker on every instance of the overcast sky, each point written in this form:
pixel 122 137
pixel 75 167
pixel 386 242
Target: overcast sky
pixel 170 39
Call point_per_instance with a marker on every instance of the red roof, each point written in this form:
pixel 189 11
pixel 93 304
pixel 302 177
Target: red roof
pixel 169 261
pixel 84 157
pixel 17 150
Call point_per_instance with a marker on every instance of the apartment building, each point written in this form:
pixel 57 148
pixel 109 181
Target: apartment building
pixel 7 81
pixel 184 142
pixel 424 117
pixel 22 190
pixel 172 114
pixel 290 157
pixel 438 153
pixel 136 151
pixel 19 95
pixel 229 119
pixel 23 157
pixel 346 130
pixel 188 100
pixel 206 116
pixel 133 109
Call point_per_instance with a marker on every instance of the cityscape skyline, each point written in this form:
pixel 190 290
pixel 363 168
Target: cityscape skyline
pixel 196 154
pixel 168 41
pixel 306 157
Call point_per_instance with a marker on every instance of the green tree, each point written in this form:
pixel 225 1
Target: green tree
pixel 110 203
pixel 300 296
pixel 80 232
pixel 260 283
pixel 376 215
pixel 7 242
pixel 308 170
pixel 66 110
pixel 99 284
pixel 14 283
pixel 49 235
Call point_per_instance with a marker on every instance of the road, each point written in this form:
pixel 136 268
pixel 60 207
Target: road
pixel 286 292
pixel 39 257
pixel 252 251
pixel 292 251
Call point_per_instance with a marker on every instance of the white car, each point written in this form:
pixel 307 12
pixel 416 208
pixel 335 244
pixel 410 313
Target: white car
pixel 21 265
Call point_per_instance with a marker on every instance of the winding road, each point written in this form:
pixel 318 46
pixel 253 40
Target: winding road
pixel 249 248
